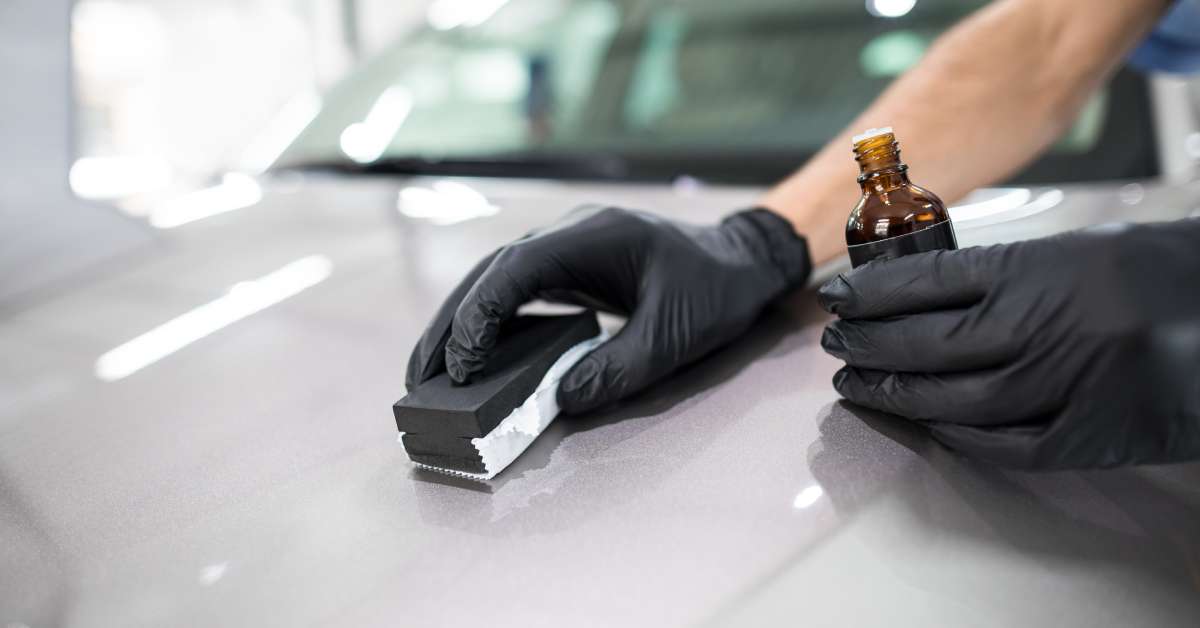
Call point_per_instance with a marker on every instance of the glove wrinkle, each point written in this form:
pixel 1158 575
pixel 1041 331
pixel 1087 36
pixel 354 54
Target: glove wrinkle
pixel 889 299
pixel 833 294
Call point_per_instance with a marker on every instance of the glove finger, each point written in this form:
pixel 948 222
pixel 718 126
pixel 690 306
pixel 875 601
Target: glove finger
pixel 984 397
pixel 940 341
pixel 428 358
pixel 573 257
pixel 909 284
pixel 623 365
pixel 518 274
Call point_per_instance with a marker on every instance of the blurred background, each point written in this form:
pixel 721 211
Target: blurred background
pixel 140 105
pixel 121 107
pixel 168 93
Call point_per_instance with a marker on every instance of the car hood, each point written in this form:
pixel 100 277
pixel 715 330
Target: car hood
pixel 236 462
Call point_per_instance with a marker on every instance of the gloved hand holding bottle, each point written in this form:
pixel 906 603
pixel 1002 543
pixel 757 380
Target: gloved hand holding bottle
pixel 686 290
pixel 1078 350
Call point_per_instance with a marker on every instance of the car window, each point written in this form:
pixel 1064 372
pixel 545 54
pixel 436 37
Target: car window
pixel 661 81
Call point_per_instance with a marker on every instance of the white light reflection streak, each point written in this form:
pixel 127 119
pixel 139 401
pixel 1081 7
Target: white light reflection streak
pixel 243 299
pixel 212 573
pixel 105 178
pixel 236 191
pixel 365 141
pixel 890 8
pixel 808 497
pixel 1011 205
pixel 447 203
pixel 447 14
pixel 1006 200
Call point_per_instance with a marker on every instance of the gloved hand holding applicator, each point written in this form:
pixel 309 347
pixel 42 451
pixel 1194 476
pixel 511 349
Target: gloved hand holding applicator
pixel 686 290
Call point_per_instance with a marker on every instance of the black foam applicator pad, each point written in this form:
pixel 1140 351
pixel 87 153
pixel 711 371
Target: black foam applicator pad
pixel 439 418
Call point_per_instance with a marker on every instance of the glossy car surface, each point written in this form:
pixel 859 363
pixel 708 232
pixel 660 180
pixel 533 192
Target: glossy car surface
pixel 251 476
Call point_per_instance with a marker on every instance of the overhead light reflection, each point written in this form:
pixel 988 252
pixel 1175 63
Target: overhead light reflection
pixel 808 497
pixel 890 8
pixel 447 14
pixel 106 178
pixel 243 299
pixel 1011 204
pixel 1005 200
pixel 444 203
pixel 236 191
pixel 1191 145
pixel 881 227
pixel 892 53
pixel 212 573
pixel 365 141
pixel 1131 193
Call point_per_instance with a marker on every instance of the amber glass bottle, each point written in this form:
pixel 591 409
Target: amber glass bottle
pixel 893 217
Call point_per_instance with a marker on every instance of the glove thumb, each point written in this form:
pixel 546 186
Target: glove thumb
pixel 618 368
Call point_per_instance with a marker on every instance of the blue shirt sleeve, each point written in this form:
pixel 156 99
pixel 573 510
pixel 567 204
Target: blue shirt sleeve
pixel 1174 45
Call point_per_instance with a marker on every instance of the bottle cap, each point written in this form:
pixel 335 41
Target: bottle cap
pixel 869 133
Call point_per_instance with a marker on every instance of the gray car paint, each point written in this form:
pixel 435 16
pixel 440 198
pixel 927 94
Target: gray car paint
pixel 253 478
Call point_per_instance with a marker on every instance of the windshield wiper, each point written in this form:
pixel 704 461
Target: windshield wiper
pixel 754 167
pixel 534 166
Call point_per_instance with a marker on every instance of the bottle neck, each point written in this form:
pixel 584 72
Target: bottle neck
pixel 879 164
pixel 884 179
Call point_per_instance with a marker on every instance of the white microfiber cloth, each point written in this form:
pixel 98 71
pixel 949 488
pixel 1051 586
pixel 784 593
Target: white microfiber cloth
pixel 522 426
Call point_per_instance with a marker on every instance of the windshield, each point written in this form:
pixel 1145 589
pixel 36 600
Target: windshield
pixel 643 89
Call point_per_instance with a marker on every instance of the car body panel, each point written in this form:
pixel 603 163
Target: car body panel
pixel 253 476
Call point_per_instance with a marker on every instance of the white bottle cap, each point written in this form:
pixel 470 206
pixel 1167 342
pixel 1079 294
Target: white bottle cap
pixel 869 133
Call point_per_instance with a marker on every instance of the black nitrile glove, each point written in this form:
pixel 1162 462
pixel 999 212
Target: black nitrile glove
pixel 686 289
pixel 1079 350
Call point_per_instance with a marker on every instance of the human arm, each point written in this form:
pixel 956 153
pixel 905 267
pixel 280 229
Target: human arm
pixel 988 97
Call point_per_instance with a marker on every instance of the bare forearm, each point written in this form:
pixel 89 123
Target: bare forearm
pixel 989 96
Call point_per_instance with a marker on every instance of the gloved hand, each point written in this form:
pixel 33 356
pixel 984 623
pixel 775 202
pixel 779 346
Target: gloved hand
pixel 686 289
pixel 1079 350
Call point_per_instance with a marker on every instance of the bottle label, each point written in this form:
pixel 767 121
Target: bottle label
pixel 939 236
